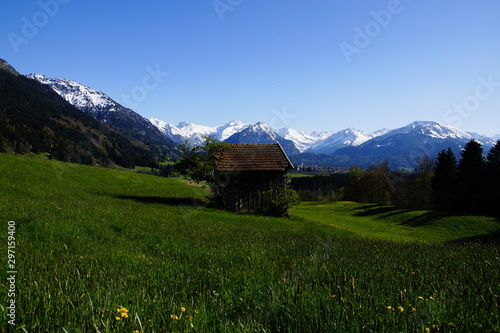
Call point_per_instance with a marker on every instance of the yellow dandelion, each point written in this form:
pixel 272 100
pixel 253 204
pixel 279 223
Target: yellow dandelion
pixel 413 309
pixel 174 317
pixel 400 308
pixel 452 325
pixel 195 311
pixel 124 315
pixel 420 298
pixel 432 298
pixel 241 299
pixel 183 309
pixel 118 318
pixel 389 307
pixel 427 329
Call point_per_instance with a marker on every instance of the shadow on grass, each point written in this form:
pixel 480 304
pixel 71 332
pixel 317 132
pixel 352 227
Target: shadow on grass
pixel 425 218
pixel 491 238
pixel 164 201
pixel 385 211
pixel 382 212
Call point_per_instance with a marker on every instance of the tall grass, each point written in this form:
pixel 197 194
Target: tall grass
pixel 92 243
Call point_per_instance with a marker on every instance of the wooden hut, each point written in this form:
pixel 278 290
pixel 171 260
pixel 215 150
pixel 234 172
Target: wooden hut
pixel 253 177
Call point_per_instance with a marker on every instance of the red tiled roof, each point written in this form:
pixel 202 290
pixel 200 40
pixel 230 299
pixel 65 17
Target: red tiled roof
pixel 246 157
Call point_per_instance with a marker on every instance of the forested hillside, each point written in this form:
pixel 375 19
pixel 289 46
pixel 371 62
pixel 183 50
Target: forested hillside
pixel 35 119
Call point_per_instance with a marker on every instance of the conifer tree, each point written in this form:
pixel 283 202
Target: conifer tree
pixel 471 177
pixel 493 179
pixel 444 181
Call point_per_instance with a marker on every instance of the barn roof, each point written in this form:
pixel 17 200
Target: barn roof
pixel 249 157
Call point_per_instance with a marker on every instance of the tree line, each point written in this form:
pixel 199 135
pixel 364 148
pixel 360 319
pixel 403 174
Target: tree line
pixel 470 184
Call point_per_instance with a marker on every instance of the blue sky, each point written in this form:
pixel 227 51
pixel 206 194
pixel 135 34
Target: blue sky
pixel 311 65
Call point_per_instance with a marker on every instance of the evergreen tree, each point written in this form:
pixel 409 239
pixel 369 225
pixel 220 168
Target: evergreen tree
pixel 471 177
pixel 444 181
pixel 493 180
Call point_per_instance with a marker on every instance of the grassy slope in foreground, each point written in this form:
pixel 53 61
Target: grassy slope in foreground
pixel 90 241
pixel 396 224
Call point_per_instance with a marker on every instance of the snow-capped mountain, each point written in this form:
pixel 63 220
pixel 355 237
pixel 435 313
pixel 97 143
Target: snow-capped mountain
pixel 301 139
pixel 262 133
pixel 37 120
pixel 84 98
pixel 102 107
pixel 169 130
pixel 194 133
pixel 345 138
pixel 234 126
pixel 482 139
pixel 403 147
pixel 432 129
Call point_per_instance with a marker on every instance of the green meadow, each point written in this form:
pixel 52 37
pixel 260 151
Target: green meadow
pixel 102 250
pixel 397 224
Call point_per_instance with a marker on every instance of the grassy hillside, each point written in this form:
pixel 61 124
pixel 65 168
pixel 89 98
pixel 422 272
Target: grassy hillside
pixel 116 251
pixel 396 224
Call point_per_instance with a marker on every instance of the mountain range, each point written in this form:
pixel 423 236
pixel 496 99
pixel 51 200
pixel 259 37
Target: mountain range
pixel 401 147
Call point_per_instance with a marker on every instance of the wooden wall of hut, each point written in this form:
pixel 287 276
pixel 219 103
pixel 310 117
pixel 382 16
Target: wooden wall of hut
pixel 245 191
